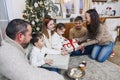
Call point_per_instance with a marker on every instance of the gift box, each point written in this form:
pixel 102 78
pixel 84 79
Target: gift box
pixel 70 45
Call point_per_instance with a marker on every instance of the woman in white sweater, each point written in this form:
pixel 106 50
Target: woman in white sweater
pixel 48 31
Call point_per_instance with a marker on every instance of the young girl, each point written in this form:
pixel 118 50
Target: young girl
pixel 61 43
pixel 57 38
pixel 37 56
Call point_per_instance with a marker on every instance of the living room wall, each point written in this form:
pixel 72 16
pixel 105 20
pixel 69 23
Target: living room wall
pixel 101 6
pixel 15 7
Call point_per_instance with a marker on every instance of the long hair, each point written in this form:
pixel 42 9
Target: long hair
pixel 94 24
pixel 46 20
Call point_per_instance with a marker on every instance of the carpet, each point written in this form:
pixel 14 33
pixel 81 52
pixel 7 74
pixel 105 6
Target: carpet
pixel 95 70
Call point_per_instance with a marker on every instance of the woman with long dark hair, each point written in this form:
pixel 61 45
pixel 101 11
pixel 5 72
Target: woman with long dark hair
pixel 97 35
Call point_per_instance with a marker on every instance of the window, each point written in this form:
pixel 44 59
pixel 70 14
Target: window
pixel 74 7
pixel 69 5
pixel 77 6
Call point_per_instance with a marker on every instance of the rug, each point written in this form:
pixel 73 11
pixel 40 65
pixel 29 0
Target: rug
pixel 95 70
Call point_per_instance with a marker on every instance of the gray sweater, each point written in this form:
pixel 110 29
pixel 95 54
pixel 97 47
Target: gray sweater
pixel 14 64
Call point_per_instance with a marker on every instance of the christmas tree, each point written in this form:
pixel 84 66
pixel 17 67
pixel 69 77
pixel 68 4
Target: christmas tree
pixel 36 10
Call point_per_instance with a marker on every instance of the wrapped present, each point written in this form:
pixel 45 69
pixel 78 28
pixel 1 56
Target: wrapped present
pixel 70 45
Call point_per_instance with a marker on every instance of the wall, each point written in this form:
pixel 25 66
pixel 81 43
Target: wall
pixel 112 24
pixel 100 7
pixel 15 8
pixel 3 16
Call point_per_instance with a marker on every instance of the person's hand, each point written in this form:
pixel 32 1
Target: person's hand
pixel 64 52
pixel 82 48
pixel 77 39
pixel 88 40
pixel 49 61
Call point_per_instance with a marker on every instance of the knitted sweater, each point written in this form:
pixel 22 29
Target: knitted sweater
pixel 14 64
pixel 103 37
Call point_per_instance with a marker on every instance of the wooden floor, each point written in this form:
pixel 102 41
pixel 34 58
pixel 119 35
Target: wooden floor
pixel 116 58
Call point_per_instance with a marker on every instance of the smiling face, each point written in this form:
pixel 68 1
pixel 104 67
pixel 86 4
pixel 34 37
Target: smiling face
pixel 51 25
pixel 88 19
pixel 78 24
pixel 41 42
pixel 61 31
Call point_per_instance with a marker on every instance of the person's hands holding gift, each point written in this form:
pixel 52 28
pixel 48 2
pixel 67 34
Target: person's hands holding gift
pixel 64 51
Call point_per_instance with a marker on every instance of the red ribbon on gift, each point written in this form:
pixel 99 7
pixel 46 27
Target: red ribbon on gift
pixel 70 43
pixel 67 45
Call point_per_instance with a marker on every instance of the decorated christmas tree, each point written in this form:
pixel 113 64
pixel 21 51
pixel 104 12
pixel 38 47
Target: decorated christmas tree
pixel 36 10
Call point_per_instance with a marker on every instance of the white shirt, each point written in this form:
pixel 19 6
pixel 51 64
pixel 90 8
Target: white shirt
pixel 37 55
pixel 57 41
pixel 48 41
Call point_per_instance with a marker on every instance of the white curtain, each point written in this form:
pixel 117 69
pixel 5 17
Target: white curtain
pixel 1 38
pixel 87 5
pixel 3 17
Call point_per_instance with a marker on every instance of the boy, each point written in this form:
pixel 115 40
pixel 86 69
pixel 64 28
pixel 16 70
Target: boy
pixel 78 31
pixel 37 56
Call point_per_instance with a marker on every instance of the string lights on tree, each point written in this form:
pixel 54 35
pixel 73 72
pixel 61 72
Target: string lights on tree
pixel 36 10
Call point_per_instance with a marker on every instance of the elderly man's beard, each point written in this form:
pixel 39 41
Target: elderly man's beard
pixel 25 45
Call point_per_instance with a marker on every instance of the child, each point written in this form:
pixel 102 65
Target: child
pixel 57 38
pixel 61 43
pixel 37 56
pixel 78 30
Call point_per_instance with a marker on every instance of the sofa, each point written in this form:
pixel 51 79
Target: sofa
pixel 72 24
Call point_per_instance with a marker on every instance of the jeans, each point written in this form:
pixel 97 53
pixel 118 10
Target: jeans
pixel 51 69
pixel 102 52
pixel 87 51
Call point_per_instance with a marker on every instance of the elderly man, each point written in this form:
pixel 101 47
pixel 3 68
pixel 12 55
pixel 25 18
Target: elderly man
pixel 13 62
